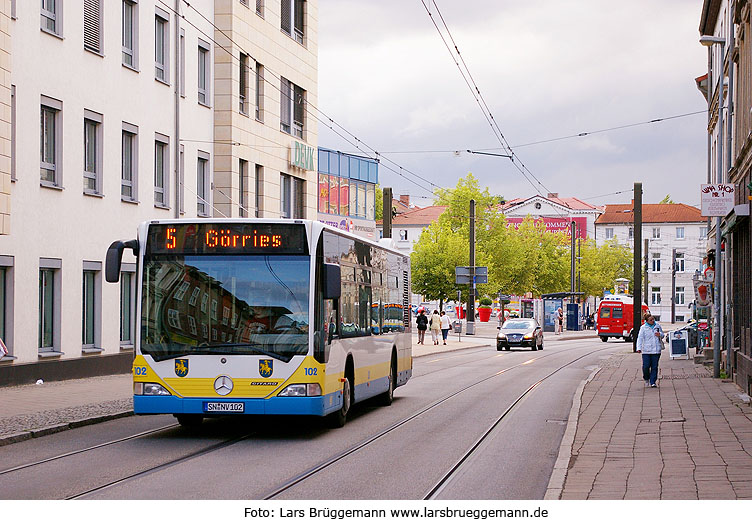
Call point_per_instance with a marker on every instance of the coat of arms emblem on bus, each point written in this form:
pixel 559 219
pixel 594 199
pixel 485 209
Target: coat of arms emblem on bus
pixel 181 367
pixel 266 366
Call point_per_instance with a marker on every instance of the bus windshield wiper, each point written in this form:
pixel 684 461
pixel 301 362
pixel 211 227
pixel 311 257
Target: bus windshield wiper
pixel 229 347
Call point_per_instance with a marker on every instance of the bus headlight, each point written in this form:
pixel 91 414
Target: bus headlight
pixel 149 388
pixel 301 390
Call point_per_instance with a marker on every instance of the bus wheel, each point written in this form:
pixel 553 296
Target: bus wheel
pixel 604 339
pixel 387 397
pixel 338 419
pixel 189 421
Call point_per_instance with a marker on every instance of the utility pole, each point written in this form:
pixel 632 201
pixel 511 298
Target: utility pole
pixel 387 213
pixel 647 247
pixel 637 309
pixel 470 326
pixel 673 285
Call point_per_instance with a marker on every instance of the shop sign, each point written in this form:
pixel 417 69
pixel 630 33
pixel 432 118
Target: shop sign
pixel 302 156
pixel 717 200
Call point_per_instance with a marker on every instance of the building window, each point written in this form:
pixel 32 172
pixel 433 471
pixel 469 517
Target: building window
pixel 656 232
pixel 161 48
pixel 403 234
pixel 203 184
pixel 680 262
pixel 244 61
pixel 50 151
pixel 160 173
pixel 292 197
pixel 93 25
pixel 703 233
pixel 679 233
pixel 293 16
pixel 51 16
pixel 203 73
pixel 292 109
pixel 47 297
pixel 655 298
pixel 260 8
pixel 127 288
pixel 243 188
pixel 609 233
pixel 129 164
pixel 631 232
pixel 130 34
pixel 680 295
pixel 89 304
pixel 182 63
pixel 259 182
pixel 259 92
pixel 92 153
pixel 656 262
pixel 13 132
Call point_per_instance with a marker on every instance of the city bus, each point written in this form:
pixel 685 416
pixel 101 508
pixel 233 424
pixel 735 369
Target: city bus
pixel 256 316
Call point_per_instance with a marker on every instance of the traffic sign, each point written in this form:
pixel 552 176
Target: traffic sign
pixel 462 274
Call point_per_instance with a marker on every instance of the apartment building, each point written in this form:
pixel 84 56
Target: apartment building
pixel 665 227
pixel 111 125
pixel 146 109
pixel 266 108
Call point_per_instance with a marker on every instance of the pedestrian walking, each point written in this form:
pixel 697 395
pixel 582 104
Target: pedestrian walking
pixel 650 344
pixel 435 326
pixel 559 321
pixel 422 321
pixel 445 325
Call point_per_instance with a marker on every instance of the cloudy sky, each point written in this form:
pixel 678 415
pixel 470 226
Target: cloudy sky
pixel 547 69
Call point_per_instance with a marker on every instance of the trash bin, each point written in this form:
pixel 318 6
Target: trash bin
pixel 457 325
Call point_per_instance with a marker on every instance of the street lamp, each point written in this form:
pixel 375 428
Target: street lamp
pixel 708 41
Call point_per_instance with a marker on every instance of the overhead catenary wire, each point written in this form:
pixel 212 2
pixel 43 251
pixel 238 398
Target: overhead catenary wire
pixel 576 135
pixel 328 121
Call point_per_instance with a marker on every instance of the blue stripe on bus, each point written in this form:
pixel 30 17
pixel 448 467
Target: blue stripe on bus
pixel 163 404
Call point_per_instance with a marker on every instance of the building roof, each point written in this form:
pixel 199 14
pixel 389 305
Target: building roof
pixel 422 216
pixel 651 214
pixel 572 203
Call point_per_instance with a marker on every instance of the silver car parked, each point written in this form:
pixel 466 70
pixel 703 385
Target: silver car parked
pixel 519 332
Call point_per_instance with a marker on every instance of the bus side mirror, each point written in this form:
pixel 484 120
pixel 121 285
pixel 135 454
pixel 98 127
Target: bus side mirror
pixel 332 281
pixel 114 258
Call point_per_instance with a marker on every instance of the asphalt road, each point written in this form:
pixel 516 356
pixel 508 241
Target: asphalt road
pixel 398 452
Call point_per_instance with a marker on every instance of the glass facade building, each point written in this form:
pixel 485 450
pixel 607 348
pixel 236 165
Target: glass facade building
pixel 346 186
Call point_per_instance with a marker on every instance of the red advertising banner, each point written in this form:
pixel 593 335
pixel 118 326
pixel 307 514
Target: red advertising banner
pixel 555 224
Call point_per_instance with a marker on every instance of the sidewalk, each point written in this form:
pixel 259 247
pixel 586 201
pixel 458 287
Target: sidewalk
pixel 35 410
pixel 690 438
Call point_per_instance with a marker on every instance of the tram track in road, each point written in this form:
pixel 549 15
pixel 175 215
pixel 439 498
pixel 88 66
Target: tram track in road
pixel 446 480
pixel 194 454
pixel 89 448
pixel 302 477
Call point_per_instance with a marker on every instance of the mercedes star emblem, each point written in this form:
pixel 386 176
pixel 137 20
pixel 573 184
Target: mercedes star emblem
pixel 223 385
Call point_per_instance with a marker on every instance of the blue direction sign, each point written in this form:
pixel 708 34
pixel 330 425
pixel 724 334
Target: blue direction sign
pixel 462 275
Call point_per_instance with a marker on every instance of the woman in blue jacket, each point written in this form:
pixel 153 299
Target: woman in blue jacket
pixel 649 343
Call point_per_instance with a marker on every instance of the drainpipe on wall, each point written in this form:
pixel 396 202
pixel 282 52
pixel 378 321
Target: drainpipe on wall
pixel 728 290
pixel 176 146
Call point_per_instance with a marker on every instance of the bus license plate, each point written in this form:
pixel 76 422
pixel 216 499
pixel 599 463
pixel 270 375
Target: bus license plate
pixel 224 407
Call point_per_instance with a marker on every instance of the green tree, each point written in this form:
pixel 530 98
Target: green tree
pixel 601 266
pixel 379 202
pixel 667 200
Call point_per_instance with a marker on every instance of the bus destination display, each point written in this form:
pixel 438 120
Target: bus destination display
pixel 226 239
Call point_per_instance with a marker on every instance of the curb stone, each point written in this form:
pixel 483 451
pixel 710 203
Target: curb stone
pixel 559 474
pixel 49 430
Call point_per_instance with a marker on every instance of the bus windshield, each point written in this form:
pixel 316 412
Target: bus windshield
pixel 232 304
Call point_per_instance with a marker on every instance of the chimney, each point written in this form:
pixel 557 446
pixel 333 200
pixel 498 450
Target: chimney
pixel 553 195
pixel 405 199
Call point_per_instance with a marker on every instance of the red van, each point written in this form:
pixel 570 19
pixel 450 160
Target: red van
pixel 616 317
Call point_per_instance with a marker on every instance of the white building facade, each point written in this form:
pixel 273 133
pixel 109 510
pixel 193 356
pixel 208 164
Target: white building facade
pixel 557 213
pixel 137 116
pixel 667 229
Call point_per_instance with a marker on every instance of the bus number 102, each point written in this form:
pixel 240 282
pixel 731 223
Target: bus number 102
pixel 310 371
